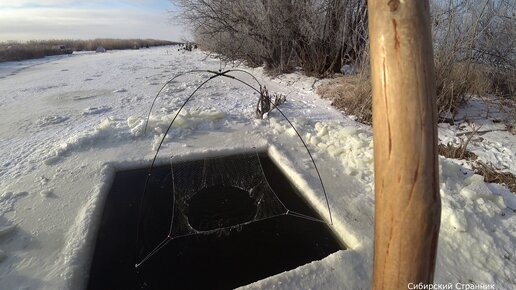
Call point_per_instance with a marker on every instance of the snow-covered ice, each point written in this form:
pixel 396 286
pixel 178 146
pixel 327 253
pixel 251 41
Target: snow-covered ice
pixel 68 123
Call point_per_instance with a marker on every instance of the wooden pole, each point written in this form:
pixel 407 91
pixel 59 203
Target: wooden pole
pixel 408 206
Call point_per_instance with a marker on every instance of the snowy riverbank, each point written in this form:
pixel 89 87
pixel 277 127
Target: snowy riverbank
pixel 67 124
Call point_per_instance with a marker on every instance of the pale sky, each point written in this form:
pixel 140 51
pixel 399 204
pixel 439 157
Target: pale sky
pixel 87 19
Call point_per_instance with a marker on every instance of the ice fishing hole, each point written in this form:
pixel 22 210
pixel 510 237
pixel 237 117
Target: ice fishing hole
pixel 212 259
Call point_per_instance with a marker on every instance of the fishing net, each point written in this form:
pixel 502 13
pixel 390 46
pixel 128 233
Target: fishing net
pixel 216 194
pixel 213 195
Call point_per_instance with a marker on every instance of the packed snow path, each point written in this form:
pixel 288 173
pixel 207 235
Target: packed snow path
pixel 67 123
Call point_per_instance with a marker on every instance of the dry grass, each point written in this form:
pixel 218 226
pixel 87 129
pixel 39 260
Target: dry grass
pixel 16 51
pixel 489 173
pixel 456 151
pixel 351 94
pixel 503 83
pixel 454 81
pixel 459 151
pixel 492 175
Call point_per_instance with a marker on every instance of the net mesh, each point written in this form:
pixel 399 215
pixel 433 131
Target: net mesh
pixel 213 195
pixel 216 194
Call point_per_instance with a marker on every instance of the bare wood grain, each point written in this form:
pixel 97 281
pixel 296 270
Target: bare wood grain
pixel 407 212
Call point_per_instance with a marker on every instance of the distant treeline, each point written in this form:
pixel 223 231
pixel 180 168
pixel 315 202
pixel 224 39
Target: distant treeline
pixel 16 51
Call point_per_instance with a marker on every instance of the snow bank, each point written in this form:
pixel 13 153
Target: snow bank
pixel 477 219
pixel 187 119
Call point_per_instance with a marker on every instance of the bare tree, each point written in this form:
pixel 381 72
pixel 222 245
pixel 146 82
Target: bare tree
pixel 318 36
pixel 474 48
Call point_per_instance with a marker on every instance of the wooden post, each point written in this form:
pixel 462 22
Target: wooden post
pixel 408 206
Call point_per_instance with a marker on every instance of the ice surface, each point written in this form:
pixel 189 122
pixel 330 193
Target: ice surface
pixel 96 110
pixel 62 138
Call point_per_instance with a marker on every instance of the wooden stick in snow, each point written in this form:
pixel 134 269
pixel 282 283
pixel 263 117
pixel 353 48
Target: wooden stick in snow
pixel 408 207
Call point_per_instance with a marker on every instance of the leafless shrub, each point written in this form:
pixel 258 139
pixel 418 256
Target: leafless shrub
pixel 318 36
pixel 473 44
pixel 456 151
pixel 474 50
pixel 13 51
pixel 474 55
pixel 267 102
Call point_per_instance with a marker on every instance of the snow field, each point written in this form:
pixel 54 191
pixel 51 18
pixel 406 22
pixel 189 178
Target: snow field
pixel 474 213
pixel 63 134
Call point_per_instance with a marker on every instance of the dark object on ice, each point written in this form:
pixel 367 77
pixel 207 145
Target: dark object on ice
pixel 100 49
pixel 189 46
pixel 210 260
pixel 63 49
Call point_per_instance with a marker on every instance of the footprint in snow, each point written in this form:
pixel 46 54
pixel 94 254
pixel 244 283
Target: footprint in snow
pixel 47 193
pixel 51 120
pixel 96 110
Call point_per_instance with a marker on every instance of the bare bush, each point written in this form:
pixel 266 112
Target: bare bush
pixel 474 55
pixel 318 36
pixel 268 102
pixel 474 50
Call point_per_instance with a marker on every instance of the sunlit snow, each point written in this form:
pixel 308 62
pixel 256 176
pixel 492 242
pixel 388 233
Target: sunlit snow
pixel 67 123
